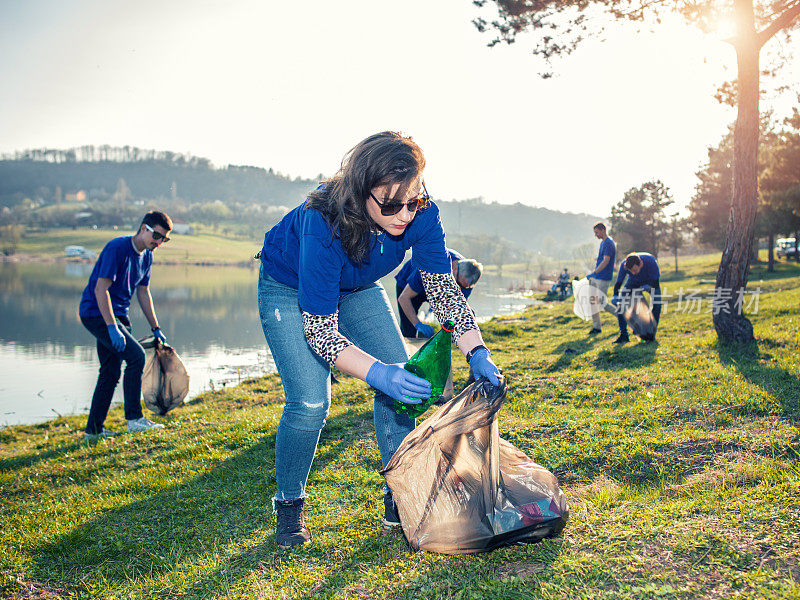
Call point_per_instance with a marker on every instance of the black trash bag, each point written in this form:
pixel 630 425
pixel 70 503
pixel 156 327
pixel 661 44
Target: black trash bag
pixel 165 382
pixel 460 488
pixel 640 318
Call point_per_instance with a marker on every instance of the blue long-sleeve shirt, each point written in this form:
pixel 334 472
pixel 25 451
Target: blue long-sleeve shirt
pixel 649 274
pixel 303 252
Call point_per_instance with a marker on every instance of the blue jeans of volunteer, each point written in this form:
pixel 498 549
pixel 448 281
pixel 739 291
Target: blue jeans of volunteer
pixel 110 370
pixel 366 319
pixel 625 300
pixel 406 328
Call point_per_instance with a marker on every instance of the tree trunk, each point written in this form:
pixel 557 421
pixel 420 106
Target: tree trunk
pixel 729 322
pixel 771 252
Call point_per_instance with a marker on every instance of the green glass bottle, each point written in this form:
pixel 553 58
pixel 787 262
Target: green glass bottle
pixel 431 362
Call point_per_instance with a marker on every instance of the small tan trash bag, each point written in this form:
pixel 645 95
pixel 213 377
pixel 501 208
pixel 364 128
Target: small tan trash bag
pixel 165 382
pixel 640 318
pixel 460 488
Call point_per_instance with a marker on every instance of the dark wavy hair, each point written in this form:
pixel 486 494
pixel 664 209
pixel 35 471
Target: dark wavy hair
pixel 384 158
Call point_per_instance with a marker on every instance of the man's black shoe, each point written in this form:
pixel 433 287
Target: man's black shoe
pixel 291 529
pixel 623 339
pixel 391 518
pixel 594 331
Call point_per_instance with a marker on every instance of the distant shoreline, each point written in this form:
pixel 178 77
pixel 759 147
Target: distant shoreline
pixel 22 258
pixel 202 249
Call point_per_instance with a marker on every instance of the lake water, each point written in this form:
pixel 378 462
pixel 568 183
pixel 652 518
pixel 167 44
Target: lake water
pixel 48 361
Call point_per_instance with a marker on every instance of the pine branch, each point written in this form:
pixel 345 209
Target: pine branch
pixel 783 21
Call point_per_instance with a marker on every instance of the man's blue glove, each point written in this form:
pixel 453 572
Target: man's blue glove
pixel 482 365
pixel 646 288
pixel 117 339
pixel 425 329
pixel 396 382
pixel 590 275
pixel 159 335
pixel 615 300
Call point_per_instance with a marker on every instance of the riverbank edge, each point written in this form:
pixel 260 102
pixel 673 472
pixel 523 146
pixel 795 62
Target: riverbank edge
pixel 23 258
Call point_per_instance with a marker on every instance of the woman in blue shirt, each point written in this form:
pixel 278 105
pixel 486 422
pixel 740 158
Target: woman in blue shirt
pixel 320 305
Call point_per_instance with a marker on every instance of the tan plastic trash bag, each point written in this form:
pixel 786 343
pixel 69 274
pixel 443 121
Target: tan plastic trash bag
pixel 165 381
pixel 640 318
pixel 460 488
pixel 588 300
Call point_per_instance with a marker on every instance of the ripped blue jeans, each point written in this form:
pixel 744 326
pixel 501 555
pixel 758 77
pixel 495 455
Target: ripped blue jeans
pixel 366 319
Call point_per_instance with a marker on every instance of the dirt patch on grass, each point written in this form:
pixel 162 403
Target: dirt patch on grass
pixel 508 321
pixel 708 464
pixel 711 570
pixel 545 430
pixel 601 489
pixel 522 569
pixel 786 565
pixel 743 549
pixel 34 590
pixel 699 449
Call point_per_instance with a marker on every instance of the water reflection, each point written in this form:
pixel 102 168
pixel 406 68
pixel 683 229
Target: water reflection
pixel 48 363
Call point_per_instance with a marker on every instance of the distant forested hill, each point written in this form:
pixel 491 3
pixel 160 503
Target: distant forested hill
pixel 528 227
pixel 111 186
pixel 146 173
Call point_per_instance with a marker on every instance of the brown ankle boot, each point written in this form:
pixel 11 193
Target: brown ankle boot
pixel 291 529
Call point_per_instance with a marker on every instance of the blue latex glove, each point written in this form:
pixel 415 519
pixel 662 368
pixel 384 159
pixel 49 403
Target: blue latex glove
pixel 159 335
pixel 646 288
pixel 615 300
pixel 590 275
pixel 425 329
pixel 482 365
pixel 117 339
pixel 396 382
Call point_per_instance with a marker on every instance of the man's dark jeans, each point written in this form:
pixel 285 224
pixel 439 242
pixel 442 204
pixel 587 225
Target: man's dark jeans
pixel 625 300
pixel 406 328
pixel 110 370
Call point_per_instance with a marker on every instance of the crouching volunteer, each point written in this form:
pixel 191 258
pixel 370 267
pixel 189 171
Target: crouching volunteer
pixel 411 291
pixel 638 272
pixel 320 303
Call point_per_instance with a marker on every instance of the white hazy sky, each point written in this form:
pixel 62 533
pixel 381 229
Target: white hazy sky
pixel 292 86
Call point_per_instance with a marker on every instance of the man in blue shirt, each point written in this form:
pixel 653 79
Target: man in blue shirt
pixel 638 272
pixel 411 293
pixel 603 271
pixel 122 268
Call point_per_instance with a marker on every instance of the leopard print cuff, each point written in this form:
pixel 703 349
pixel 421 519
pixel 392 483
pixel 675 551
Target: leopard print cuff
pixel 322 334
pixel 448 302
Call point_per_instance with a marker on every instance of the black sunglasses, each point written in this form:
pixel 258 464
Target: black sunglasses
pixel 392 208
pixel 156 235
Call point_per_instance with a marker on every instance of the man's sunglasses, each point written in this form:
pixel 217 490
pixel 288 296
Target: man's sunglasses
pixel 392 208
pixel 157 235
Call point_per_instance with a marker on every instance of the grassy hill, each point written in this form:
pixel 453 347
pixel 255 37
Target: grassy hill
pixel 680 460
pixel 203 248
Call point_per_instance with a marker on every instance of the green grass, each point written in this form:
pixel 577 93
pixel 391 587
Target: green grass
pixel 204 248
pixel 680 460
